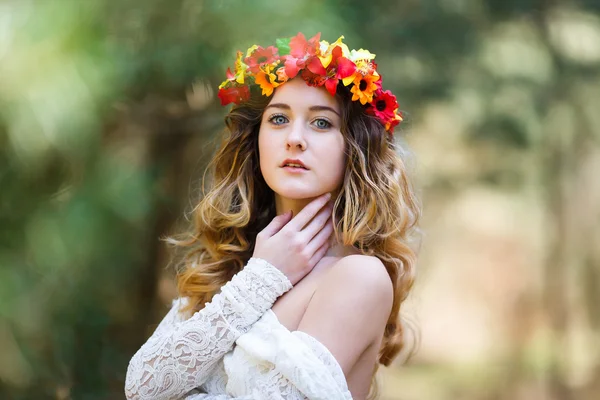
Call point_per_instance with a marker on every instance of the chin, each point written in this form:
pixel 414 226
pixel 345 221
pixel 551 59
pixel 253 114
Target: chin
pixel 298 194
pixel 297 190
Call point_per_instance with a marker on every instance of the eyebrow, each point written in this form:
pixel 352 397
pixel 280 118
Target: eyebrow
pixel 312 108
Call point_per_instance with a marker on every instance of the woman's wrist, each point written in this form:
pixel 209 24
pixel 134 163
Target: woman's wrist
pixel 274 282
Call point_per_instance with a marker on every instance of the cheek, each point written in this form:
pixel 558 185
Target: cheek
pixel 265 153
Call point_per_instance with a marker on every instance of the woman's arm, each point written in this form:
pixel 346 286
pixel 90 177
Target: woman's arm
pixel 180 354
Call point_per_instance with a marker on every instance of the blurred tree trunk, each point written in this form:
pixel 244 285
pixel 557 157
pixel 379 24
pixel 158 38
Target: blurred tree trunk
pixel 571 268
pixel 162 135
pixel 556 159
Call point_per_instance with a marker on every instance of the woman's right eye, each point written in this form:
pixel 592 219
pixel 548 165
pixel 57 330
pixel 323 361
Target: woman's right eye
pixel 278 119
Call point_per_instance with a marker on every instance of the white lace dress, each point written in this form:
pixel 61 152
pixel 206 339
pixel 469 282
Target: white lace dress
pixel 235 348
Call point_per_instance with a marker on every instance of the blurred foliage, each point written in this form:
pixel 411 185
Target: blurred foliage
pixel 108 113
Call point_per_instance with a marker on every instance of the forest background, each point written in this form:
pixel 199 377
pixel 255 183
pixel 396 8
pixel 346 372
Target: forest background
pixel 108 114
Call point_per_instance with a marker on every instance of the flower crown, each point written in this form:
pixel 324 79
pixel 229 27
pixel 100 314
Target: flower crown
pixel 319 64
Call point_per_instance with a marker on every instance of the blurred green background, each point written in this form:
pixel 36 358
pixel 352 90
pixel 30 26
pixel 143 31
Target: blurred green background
pixel 108 113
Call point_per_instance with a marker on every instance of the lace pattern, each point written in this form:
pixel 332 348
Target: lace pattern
pixel 181 354
pixel 270 362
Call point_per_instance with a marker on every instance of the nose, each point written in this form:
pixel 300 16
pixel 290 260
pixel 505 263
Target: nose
pixel 295 137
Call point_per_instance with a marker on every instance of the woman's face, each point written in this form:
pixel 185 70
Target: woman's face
pixel 302 122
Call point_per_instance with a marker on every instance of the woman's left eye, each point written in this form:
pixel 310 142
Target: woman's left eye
pixel 322 123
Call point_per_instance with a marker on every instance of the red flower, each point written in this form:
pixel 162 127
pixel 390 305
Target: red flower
pixel 384 105
pixel 378 82
pixel 234 94
pixel 339 68
pixel 303 54
pixel 300 47
pixel 230 75
pixel 261 57
pixel 312 79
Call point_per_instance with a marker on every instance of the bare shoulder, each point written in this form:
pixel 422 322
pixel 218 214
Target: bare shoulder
pixel 360 278
pixel 350 308
pixel 367 272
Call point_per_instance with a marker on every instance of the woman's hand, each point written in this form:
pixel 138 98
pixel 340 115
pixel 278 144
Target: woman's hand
pixel 296 246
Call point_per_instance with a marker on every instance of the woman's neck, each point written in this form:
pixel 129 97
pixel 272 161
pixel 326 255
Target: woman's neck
pixel 283 204
pixel 336 249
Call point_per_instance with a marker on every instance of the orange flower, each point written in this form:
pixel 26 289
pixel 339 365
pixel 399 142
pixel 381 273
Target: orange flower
pixel 364 87
pixel 390 124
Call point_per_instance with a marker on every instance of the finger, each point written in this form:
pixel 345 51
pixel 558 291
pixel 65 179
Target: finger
pixel 319 254
pixel 277 223
pixel 308 212
pixel 321 237
pixel 317 223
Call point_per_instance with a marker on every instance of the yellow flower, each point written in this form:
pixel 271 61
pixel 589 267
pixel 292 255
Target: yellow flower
pixel 364 87
pixel 240 68
pixel 224 83
pixel 361 54
pixel 363 68
pixel 250 50
pixel 239 74
pixel 326 50
pixel 267 81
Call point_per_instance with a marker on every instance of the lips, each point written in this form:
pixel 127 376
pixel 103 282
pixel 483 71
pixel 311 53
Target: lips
pixel 293 166
pixel 294 163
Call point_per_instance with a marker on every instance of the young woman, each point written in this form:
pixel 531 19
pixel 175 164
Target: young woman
pixel 298 261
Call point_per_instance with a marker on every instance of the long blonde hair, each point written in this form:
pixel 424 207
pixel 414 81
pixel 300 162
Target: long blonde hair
pixel 376 209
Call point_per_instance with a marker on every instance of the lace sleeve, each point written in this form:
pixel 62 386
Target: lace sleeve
pixel 180 354
pixel 204 396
